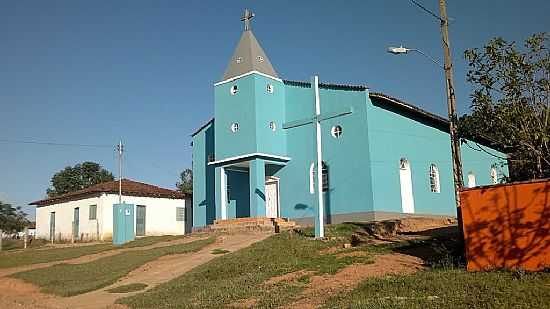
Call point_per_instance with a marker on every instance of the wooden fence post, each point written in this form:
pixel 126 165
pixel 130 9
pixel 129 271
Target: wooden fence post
pixel 1 235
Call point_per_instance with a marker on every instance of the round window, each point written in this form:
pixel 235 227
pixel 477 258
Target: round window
pixel 234 127
pixel 336 131
pixel 234 89
pixel 273 126
pixel 269 88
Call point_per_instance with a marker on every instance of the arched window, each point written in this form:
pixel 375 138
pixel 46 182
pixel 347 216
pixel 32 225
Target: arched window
pixel 405 180
pixel 494 174
pixel 434 179
pixel 324 176
pixel 471 179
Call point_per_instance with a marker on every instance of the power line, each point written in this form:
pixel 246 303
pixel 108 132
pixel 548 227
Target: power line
pixel 10 141
pixel 423 8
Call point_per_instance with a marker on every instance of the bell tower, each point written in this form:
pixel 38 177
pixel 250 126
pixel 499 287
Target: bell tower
pixel 249 102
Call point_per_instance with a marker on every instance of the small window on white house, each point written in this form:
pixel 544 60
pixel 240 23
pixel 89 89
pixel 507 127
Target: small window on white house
pixel 336 131
pixel 471 180
pixel 234 89
pixel 269 88
pixel 239 59
pixel 92 215
pixel 260 59
pixel 434 179
pixel 273 126
pixel 234 127
pixel 180 214
pixel 494 175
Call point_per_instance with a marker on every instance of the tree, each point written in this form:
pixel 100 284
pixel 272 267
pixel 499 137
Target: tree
pixel 77 178
pixel 185 184
pixel 12 219
pixel 511 103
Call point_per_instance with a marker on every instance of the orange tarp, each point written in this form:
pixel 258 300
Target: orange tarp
pixel 507 226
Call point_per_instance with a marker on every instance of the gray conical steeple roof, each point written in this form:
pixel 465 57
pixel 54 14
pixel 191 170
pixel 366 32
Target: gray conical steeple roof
pixel 248 56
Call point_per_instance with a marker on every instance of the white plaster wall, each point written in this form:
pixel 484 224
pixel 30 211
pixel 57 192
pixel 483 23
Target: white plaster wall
pixel 64 213
pixel 160 214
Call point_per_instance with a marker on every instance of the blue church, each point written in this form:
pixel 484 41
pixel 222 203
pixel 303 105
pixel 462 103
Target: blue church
pixel 381 157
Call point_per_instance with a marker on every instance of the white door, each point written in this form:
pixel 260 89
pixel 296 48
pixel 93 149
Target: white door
pixel 272 198
pixel 407 199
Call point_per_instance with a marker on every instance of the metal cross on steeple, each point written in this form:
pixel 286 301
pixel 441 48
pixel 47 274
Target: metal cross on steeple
pixel 248 15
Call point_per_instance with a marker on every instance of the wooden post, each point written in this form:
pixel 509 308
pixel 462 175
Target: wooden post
pixel 1 234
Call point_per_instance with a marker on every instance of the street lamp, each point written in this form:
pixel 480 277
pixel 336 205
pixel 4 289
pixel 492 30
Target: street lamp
pixel 404 50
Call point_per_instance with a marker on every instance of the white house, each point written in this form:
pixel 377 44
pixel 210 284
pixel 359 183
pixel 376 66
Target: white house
pixel 88 214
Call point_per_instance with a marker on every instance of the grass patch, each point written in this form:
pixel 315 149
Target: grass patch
pixel 219 251
pixel 27 257
pixel 68 280
pixel 13 244
pixel 133 287
pixel 30 256
pixel 450 288
pixel 333 230
pixel 240 275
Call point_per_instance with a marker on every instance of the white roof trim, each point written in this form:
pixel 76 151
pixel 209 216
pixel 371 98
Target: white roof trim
pixel 246 74
pixel 250 155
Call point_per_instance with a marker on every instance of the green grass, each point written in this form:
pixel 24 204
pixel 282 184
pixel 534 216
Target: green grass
pixel 30 256
pixel 450 288
pixel 68 280
pixel 240 275
pixel 13 244
pixel 133 287
pixel 219 251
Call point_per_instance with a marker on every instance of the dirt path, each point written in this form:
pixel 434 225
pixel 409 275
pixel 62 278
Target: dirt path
pixel 94 256
pixel 321 288
pixel 24 295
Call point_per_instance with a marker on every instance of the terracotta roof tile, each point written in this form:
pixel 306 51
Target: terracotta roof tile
pixel 129 188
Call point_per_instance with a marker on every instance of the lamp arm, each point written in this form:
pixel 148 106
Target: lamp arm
pixel 427 56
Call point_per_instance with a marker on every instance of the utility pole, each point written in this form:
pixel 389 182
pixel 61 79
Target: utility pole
pixel 451 102
pixel 120 149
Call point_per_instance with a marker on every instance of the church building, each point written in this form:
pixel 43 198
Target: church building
pixel 382 157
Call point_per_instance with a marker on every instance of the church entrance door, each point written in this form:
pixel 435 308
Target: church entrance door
pixel 272 197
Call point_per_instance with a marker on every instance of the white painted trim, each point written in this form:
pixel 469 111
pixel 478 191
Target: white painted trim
pixel 223 189
pixel 405 180
pixel 312 178
pixel 246 74
pixel 250 155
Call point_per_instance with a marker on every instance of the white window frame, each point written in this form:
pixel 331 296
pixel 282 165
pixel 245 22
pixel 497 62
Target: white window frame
pixel 234 89
pixel 234 127
pixel 435 185
pixel 336 131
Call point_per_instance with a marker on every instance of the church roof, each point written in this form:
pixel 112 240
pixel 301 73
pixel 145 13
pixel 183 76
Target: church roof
pixel 129 188
pixel 249 55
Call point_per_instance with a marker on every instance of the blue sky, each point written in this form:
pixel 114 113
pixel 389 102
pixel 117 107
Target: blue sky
pixel 91 72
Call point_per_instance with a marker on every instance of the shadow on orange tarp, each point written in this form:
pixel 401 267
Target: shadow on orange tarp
pixel 507 226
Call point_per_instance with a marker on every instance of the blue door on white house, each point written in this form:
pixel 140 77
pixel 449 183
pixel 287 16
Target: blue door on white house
pixel 52 226
pixel 140 220
pixel 76 222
